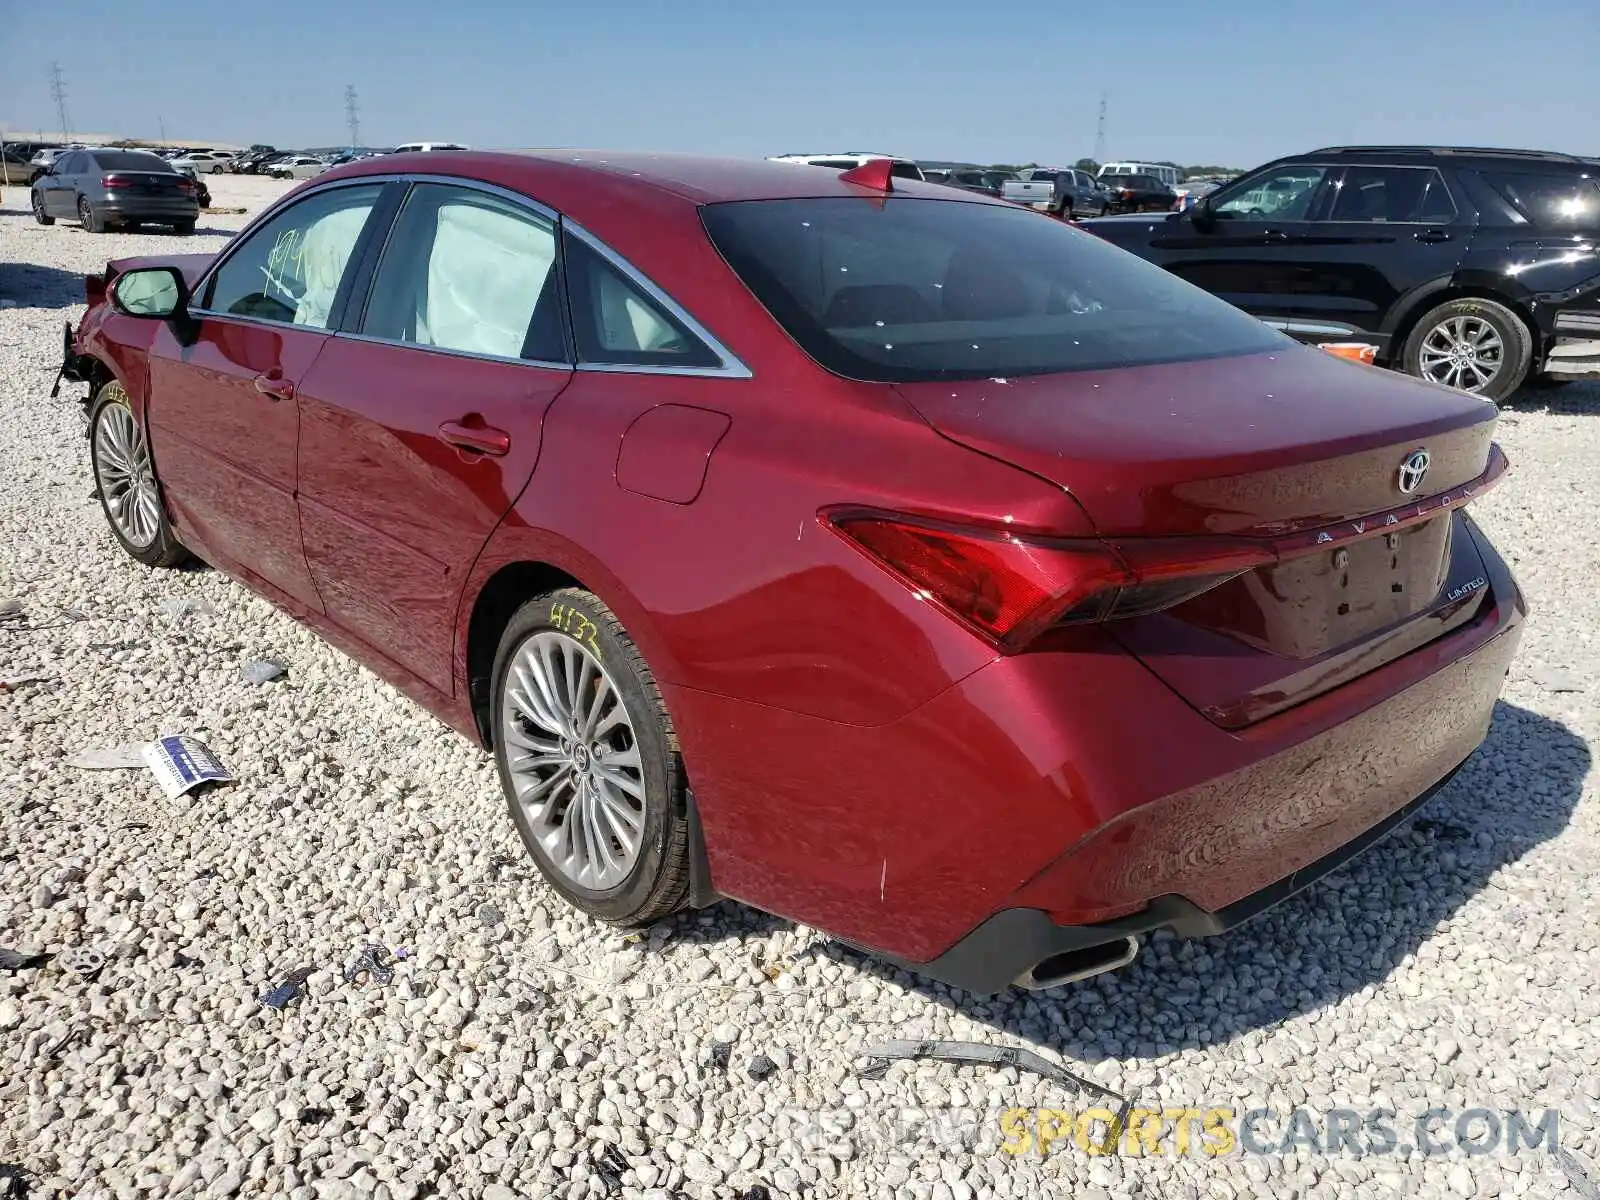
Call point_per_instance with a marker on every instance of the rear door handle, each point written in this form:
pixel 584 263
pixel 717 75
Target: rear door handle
pixel 478 439
pixel 1276 235
pixel 1433 235
pixel 274 387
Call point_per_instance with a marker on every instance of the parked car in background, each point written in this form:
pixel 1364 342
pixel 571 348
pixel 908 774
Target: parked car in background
pixel 424 147
pixel 1472 268
pixel 205 162
pixel 202 193
pixel 536 498
pixel 1138 194
pixel 1033 186
pixel 973 179
pixel 16 165
pixel 122 189
pixel 1191 190
pixel 902 168
pixel 1165 172
pixel 1078 194
pixel 296 166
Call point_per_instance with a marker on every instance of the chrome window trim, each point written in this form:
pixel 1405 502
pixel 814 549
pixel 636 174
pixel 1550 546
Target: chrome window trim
pixel 730 367
pixel 473 354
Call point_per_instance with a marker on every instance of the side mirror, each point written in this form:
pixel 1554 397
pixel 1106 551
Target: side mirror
pixel 155 293
pixel 1202 215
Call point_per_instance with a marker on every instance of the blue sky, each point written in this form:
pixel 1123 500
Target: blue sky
pixel 1214 81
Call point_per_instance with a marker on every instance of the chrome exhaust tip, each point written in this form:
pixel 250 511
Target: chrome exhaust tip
pixel 1073 965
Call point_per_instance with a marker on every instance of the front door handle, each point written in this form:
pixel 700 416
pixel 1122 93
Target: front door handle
pixel 1276 235
pixel 476 439
pixel 1434 235
pixel 274 387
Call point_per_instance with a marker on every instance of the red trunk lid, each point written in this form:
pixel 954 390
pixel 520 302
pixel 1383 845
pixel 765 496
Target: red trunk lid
pixel 1295 448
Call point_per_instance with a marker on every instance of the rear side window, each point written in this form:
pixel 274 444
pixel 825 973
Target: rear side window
pixel 615 322
pixel 470 272
pixel 124 160
pixel 1402 194
pixel 1551 200
pixel 906 290
pixel 290 269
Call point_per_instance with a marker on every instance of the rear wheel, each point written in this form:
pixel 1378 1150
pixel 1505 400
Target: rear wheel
pixel 130 493
pixel 39 214
pixel 588 760
pixel 86 217
pixel 1476 345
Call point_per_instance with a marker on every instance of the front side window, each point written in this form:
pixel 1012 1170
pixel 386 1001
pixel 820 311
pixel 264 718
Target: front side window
pixel 1553 201
pixel 1402 194
pixel 1285 194
pixel 471 272
pixel 616 323
pixel 289 270
pixel 906 290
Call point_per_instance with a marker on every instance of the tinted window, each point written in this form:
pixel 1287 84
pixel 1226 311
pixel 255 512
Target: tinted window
pixel 615 322
pixel 289 269
pixel 841 164
pixel 1572 200
pixel 1147 183
pixel 908 289
pixel 467 271
pixel 1285 194
pixel 905 170
pixel 128 160
pixel 1413 194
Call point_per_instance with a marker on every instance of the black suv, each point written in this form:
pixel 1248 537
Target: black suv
pixel 1474 268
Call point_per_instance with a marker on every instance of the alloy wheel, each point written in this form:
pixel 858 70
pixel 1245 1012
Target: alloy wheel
pixel 1463 352
pixel 573 759
pixel 127 481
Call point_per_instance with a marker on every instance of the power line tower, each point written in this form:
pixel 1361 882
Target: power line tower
pixel 352 114
pixel 58 93
pixel 1100 132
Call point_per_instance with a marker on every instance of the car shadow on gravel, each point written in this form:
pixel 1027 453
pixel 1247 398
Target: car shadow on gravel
pixel 1347 932
pixel 40 287
pixel 1581 397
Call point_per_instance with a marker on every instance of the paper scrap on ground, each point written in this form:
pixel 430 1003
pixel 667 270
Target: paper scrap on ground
pixel 183 763
pixel 108 758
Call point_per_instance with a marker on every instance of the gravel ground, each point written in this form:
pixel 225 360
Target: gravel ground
pixel 523 1051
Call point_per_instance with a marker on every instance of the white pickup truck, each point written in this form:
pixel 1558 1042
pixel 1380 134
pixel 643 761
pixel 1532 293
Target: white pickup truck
pixel 1036 186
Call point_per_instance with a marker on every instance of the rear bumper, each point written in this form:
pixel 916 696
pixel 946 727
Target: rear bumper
pixel 1056 800
pixel 153 208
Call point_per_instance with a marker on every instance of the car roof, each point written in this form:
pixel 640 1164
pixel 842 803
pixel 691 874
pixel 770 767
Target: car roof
pixel 1443 153
pixel 696 179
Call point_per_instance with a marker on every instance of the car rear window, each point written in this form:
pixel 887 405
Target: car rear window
pixel 1149 182
pixel 907 290
pixel 1558 200
pixel 905 170
pixel 131 160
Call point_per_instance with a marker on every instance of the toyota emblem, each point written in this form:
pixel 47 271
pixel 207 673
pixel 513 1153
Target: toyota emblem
pixel 1413 470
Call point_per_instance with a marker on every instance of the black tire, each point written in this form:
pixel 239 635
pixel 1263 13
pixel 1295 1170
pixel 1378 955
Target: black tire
pixel 657 884
pixel 183 228
pixel 39 214
pixel 1514 336
pixel 164 550
pixel 86 217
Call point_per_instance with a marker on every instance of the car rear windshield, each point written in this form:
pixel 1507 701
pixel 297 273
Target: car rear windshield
pixel 1148 182
pixel 907 290
pixel 131 160
pixel 1551 200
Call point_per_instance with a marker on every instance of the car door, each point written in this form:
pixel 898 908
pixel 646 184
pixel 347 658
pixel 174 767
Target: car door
pixel 1236 247
pixel 421 421
pixel 1385 231
pixel 56 187
pixel 224 415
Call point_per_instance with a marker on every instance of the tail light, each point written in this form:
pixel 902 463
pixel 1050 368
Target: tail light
pixel 112 182
pixel 185 184
pixel 1010 588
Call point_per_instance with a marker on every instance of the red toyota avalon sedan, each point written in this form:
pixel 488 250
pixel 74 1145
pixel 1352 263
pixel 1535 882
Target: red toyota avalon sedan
pixel 881 555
